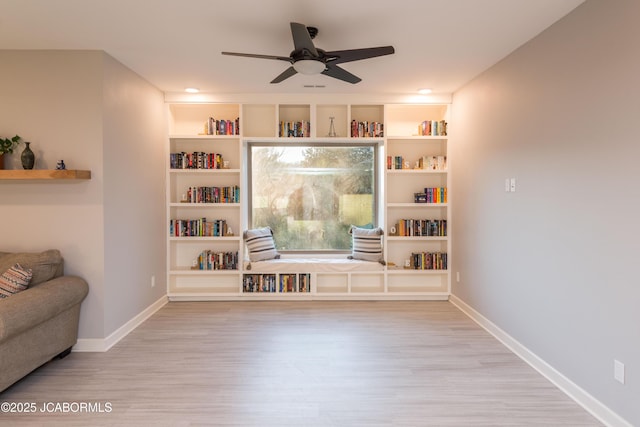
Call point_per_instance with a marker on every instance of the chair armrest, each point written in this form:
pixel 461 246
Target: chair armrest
pixel 44 301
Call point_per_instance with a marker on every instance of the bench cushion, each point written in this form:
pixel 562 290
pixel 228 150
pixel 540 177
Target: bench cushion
pixel 312 265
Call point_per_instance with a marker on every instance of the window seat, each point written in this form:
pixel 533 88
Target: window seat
pixel 312 265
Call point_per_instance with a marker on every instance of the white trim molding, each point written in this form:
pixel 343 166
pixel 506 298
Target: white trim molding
pixel 575 392
pixel 104 344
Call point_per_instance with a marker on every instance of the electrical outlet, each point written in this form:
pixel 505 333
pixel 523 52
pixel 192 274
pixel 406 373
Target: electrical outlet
pixel 513 185
pixel 153 281
pixel 507 185
pixel 618 371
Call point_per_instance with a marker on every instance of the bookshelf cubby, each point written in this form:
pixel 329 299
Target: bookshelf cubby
pixel 424 166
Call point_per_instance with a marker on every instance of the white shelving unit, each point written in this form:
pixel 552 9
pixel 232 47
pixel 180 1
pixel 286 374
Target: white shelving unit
pixel 260 122
pixel 403 139
pixel 187 127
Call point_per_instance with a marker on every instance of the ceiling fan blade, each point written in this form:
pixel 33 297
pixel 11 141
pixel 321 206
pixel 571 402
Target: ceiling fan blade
pixel 285 75
pixel 358 54
pixel 340 74
pixel 253 55
pixel 302 39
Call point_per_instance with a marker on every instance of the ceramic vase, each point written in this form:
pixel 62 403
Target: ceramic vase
pixel 27 157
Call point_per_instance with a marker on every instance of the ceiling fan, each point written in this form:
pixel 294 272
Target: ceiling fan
pixel 307 59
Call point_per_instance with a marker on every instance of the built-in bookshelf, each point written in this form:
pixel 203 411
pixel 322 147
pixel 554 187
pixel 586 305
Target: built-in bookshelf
pixel 207 208
pixel 204 200
pixel 416 199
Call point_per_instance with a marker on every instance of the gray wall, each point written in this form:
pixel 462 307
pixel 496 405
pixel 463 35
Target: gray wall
pixel 554 264
pixel 88 109
pixel 135 135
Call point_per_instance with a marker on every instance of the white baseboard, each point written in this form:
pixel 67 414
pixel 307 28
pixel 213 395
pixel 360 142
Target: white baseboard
pixel 575 392
pixel 100 345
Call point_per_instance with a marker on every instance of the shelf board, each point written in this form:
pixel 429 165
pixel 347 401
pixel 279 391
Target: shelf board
pixel 202 136
pixel 409 171
pixel 415 271
pixel 312 139
pixel 194 239
pixel 203 205
pixel 417 205
pixel 418 137
pixel 196 272
pixel 204 171
pixel 45 174
pixel 414 238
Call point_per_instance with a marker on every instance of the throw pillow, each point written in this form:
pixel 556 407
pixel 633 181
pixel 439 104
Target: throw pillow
pixel 45 265
pixel 14 280
pixel 367 244
pixel 260 244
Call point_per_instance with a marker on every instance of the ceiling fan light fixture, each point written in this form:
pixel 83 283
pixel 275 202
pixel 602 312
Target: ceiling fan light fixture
pixel 309 66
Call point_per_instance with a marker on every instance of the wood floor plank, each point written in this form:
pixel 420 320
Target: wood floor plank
pixel 299 363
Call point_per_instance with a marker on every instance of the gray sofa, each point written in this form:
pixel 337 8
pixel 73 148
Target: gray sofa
pixel 41 322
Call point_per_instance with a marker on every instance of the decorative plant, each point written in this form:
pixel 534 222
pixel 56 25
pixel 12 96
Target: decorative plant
pixel 8 145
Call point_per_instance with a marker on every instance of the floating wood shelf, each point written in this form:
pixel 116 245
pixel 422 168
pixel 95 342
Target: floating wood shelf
pixel 44 174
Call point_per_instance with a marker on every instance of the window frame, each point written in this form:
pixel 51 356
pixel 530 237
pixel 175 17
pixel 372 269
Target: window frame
pixel 377 182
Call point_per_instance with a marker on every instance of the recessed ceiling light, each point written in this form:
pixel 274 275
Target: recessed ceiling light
pixel 192 90
pixel 424 91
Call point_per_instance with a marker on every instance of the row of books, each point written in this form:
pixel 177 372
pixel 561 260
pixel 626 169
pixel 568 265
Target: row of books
pixel 433 163
pixel 198 228
pixel 211 260
pixel 366 129
pixel 222 127
pixel 230 194
pixel 431 195
pixel 421 227
pixel 424 162
pixel 429 261
pixel 295 282
pixel 295 129
pixel 397 162
pixel 259 283
pixel 432 128
pixel 195 160
pixel 269 282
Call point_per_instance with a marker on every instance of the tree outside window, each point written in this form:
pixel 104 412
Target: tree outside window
pixel 311 195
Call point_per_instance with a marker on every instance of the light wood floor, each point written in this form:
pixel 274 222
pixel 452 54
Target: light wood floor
pixel 299 364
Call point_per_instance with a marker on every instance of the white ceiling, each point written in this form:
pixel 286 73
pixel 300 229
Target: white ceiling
pixel 440 44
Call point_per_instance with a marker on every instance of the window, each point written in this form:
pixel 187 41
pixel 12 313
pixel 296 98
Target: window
pixel 311 194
